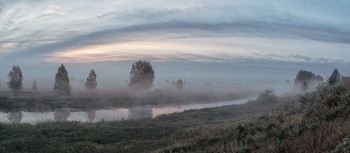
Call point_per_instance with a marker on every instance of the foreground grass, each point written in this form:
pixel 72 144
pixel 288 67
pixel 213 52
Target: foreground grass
pixel 314 122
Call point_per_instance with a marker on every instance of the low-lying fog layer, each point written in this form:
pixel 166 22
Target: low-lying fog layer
pixel 106 114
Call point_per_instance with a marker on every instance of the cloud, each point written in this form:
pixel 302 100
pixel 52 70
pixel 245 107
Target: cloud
pixel 225 29
pixel 176 29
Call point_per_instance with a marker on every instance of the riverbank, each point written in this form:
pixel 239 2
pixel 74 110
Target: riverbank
pixel 313 122
pixel 142 135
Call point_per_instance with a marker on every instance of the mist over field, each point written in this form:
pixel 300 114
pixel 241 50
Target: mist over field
pixel 247 75
pixel 174 76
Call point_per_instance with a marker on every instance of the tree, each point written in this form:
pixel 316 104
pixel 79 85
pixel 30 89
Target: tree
pixel 34 86
pixel 179 85
pixel 334 78
pixel 304 87
pixel 91 82
pixel 267 96
pixel 306 80
pixel 15 79
pixel 62 84
pixel 306 76
pixel 141 75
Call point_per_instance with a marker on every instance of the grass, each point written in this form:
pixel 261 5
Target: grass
pixel 313 122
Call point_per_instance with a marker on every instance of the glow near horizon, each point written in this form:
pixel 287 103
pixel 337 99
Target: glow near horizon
pixel 221 49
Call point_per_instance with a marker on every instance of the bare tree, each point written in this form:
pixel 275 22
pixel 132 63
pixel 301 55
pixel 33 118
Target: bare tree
pixel 15 79
pixel 91 82
pixel 141 75
pixel 62 84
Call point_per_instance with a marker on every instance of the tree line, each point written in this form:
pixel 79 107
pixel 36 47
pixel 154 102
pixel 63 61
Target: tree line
pixel 141 78
pixel 305 78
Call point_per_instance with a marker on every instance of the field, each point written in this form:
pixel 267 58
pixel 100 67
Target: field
pixel 312 122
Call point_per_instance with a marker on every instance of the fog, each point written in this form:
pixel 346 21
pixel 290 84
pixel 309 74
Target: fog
pixel 240 75
pixel 205 85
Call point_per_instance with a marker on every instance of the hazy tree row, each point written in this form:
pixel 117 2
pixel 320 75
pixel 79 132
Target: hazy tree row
pixel 306 79
pixel 141 78
pixel 61 85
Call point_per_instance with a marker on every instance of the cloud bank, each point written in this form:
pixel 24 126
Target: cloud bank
pixel 90 31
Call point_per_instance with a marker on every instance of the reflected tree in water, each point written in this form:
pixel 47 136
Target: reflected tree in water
pixel 140 112
pixel 61 115
pixel 90 115
pixel 15 117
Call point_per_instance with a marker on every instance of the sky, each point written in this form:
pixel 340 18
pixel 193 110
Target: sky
pixel 215 36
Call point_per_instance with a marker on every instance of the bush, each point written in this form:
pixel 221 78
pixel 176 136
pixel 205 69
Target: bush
pixel 268 96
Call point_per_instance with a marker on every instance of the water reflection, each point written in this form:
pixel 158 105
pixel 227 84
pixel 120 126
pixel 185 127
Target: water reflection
pixel 61 115
pixel 140 112
pixel 107 114
pixel 15 117
pixel 90 115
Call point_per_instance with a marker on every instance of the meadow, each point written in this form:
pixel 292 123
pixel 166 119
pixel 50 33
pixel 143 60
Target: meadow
pixel 312 122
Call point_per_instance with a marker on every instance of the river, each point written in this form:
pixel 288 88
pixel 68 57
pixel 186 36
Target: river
pixel 107 114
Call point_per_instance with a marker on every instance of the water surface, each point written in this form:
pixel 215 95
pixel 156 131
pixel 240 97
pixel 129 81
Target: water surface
pixel 107 114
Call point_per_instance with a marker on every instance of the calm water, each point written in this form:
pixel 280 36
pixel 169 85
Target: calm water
pixel 108 114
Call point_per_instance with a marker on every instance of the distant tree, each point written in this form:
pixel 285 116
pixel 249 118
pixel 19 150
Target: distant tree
pixel 304 76
pixel 15 79
pixel 306 79
pixel 34 86
pixel 91 82
pixel 62 84
pixel 334 78
pixel 267 96
pixel 319 78
pixel 304 87
pixel 141 75
pixel 179 85
pixel 286 81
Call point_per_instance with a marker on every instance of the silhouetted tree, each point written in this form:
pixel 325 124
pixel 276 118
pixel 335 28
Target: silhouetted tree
pixel 15 79
pixel 179 85
pixel 141 75
pixel 62 84
pixel 34 86
pixel 304 87
pixel 334 78
pixel 306 76
pixel 306 79
pixel 91 82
